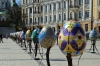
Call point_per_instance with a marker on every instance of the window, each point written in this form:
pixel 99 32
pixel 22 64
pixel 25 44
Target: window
pixel 38 20
pixel 26 11
pixel 50 18
pixel 23 1
pixel 41 19
pixel 99 28
pixel 41 8
pixel 6 5
pixel 50 6
pixel 35 19
pixel 35 9
pixel 80 2
pixel 99 2
pixel 23 11
pixel 80 14
pixel 64 4
pixel 87 1
pixel 26 22
pixel 64 16
pixel 75 15
pixel 54 5
pixel 30 10
pixel 70 15
pixel 30 21
pixel 75 2
pixel 26 1
pixel 45 8
pixel 38 9
pixel 86 27
pixel 99 14
pixel 87 14
pixel 46 18
pixel 54 17
pixel 59 16
pixel 70 2
pixel 59 5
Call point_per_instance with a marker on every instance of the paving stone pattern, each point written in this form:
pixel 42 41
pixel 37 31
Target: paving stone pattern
pixel 11 54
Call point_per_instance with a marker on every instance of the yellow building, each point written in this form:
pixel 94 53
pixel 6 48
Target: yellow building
pixel 96 14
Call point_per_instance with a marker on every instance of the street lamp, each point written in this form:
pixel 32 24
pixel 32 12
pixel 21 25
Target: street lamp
pixel 62 12
pixel 67 8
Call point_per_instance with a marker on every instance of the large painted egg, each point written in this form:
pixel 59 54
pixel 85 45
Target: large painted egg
pixel 35 34
pixel 72 38
pixel 28 35
pixel 47 37
pixel 18 34
pixel 93 35
pixel 22 34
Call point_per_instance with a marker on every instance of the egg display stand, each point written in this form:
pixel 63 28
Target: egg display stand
pixel 29 45
pixel 69 58
pixel 35 51
pixel 93 44
pixel 47 56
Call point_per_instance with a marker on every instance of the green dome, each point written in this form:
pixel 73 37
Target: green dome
pixel 14 5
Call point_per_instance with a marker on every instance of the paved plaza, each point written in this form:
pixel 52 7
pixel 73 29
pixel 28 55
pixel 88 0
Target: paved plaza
pixel 11 54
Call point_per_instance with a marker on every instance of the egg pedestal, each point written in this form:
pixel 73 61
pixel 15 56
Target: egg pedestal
pixel 28 38
pixel 47 40
pixel 72 40
pixel 34 37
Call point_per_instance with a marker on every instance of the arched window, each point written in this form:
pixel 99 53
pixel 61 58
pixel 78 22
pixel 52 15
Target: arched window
pixel 2 4
pixel 6 5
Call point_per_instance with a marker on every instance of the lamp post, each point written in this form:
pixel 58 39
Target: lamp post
pixel 66 9
pixel 62 12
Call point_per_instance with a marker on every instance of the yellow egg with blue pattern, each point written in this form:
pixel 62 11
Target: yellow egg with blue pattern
pixel 72 38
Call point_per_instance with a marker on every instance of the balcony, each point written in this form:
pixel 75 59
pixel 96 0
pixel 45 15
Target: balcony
pixel 87 6
pixel 37 13
pixel 24 15
pixel 74 7
pixel 36 3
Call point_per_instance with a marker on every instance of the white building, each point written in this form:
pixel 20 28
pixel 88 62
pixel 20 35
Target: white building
pixel 55 12
pixel 4 6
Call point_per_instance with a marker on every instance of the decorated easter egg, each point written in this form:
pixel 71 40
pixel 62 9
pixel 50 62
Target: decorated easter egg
pixel 28 35
pixel 18 34
pixel 72 38
pixel 93 35
pixel 47 37
pixel 22 34
pixel 35 34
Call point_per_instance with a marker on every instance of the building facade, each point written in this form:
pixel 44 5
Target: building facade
pixel 4 7
pixel 96 14
pixel 56 12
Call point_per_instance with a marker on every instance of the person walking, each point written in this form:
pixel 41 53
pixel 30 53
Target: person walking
pixel 57 34
pixel 1 37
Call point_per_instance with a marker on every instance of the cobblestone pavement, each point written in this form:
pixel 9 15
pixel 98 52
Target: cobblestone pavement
pixel 11 54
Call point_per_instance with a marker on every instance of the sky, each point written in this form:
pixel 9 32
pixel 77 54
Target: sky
pixel 18 2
